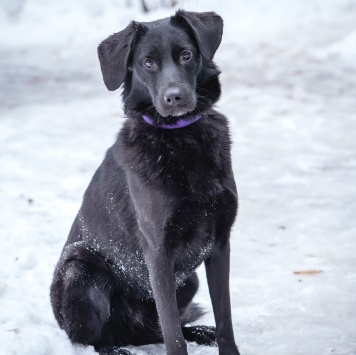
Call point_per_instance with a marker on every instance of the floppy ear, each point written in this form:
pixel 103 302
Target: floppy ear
pixel 114 54
pixel 207 28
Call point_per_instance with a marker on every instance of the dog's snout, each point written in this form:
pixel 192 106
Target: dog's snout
pixel 173 95
pixel 176 100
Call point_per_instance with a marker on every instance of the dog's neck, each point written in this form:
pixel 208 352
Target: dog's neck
pixel 182 122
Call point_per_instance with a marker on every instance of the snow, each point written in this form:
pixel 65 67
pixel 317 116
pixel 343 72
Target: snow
pixel 289 91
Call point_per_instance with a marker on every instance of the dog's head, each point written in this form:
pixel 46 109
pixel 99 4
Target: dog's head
pixel 166 65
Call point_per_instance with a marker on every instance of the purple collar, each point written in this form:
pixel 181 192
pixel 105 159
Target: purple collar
pixel 182 122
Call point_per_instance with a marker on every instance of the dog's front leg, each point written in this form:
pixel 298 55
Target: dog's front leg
pixel 162 277
pixel 217 271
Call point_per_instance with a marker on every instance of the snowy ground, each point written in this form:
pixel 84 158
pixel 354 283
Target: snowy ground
pixel 289 90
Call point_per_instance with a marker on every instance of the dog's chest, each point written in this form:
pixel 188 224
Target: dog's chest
pixel 190 235
pixel 189 239
pixel 191 255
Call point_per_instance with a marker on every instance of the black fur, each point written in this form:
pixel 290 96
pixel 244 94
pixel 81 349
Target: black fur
pixel 161 203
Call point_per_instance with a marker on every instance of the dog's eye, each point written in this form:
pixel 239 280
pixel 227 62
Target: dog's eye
pixel 186 55
pixel 148 63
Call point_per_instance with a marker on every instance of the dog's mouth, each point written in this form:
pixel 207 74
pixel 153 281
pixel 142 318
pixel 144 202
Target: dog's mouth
pixel 177 106
pixel 159 116
pixel 176 112
pixel 171 119
pixel 179 114
pixel 179 122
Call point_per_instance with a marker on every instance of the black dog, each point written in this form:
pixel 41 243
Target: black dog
pixel 162 202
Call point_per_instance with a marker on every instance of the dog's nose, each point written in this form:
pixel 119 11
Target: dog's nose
pixel 173 95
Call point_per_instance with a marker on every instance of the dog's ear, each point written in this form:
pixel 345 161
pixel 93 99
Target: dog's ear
pixel 207 28
pixel 114 54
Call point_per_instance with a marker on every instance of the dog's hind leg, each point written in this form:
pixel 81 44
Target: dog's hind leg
pixel 190 312
pixel 80 304
pixel 81 297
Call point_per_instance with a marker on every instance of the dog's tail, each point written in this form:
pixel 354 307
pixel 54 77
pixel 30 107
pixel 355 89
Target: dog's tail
pixel 191 313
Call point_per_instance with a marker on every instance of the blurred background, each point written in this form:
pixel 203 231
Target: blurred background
pixel 289 92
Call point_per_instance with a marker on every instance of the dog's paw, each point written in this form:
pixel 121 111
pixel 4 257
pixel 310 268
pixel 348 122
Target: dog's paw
pixel 112 350
pixel 201 334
